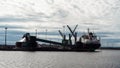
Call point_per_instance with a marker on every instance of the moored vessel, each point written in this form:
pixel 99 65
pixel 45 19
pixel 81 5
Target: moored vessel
pixel 88 42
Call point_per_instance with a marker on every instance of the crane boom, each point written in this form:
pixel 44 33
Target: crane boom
pixel 48 41
pixel 75 28
pixel 71 30
pixel 61 34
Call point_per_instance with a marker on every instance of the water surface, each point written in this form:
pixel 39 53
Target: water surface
pixel 45 59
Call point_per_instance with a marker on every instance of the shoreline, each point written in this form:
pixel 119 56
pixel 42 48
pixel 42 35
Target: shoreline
pixel 110 48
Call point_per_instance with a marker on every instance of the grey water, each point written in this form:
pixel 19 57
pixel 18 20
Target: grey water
pixel 46 59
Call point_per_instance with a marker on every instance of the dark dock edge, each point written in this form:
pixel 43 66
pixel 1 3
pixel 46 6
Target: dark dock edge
pixel 110 48
pixel 13 48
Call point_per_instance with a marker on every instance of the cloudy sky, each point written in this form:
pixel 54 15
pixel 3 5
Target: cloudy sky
pixel 21 16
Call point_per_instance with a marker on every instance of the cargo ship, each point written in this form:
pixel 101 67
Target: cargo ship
pixel 87 42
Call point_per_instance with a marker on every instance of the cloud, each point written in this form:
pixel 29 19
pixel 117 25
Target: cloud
pixel 101 16
pixel 12 19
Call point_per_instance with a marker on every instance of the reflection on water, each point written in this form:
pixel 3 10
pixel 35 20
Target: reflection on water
pixel 42 59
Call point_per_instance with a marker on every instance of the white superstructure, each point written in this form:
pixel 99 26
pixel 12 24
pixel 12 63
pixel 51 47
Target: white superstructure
pixel 90 38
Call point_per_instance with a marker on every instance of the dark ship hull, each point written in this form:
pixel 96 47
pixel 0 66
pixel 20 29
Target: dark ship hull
pixel 89 47
pixel 85 47
pixel 80 47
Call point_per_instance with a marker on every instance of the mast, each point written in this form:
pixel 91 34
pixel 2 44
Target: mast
pixel 88 30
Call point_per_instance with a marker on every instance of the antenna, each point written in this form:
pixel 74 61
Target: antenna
pixel 46 33
pixel 6 36
pixel 36 33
